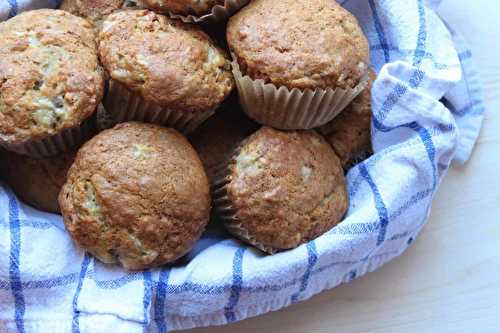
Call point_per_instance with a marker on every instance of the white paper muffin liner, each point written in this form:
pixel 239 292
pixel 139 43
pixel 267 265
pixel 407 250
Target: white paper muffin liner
pixel 66 140
pixel 124 105
pixel 218 13
pixel 293 109
pixel 225 209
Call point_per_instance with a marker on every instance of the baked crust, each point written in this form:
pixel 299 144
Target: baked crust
pixel 349 133
pixel 217 138
pixel 50 77
pixel 183 7
pixel 286 188
pixel 167 62
pixel 36 181
pixel 136 195
pixel 299 43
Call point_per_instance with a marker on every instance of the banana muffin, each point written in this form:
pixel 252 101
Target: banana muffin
pixel 183 7
pixel 136 195
pixel 312 53
pixel 196 11
pixel 299 43
pixel 162 70
pixel 50 81
pixel 349 133
pixel 217 138
pixel 282 189
pixel 36 181
pixel 95 10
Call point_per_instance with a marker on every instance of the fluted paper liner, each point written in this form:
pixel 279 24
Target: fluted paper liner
pixel 124 105
pixel 66 140
pixel 226 211
pixel 104 120
pixel 287 109
pixel 217 14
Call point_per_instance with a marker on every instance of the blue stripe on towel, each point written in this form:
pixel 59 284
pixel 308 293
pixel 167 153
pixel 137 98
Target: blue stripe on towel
pixel 14 262
pixel 236 284
pixel 312 258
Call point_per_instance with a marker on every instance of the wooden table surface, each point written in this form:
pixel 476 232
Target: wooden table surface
pixel 449 284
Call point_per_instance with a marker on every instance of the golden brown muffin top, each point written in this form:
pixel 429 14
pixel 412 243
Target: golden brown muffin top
pixel 217 138
pixel 36 181
pixel 349 133
pixel 182 7
pixel 94 10
pixel 167 62
pixel 299 43
pixel 50 77
pixel 286 187
pixel 136 195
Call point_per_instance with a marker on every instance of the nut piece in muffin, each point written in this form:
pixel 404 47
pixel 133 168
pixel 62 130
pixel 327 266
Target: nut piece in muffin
pixel 299 43
pixel 136 195
pixel 50 77
pixel 95 10
pixel 174 68
pixel 217 138
pixel 282 189
pixel 349 133
pixel 183 7
pixel 36 181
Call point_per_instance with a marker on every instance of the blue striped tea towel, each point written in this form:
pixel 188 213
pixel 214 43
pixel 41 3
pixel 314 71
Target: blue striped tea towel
pixel 428 109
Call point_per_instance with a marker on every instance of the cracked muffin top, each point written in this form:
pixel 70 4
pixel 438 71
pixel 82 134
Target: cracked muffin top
pixel 95 10
pixel 36 181
pixel 183 7
pixel 167 62
pixel 299 43
pixel 50 77
pixel 349 133
pixel 286 188
pixel 136 195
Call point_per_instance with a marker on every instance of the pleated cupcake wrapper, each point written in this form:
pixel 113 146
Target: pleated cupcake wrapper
pixel 217 14
pixel 124 105
pixel 66 140
pixel 226 211
pixel 104 119
pixel 287 109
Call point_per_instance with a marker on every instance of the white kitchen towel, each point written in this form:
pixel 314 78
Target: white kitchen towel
pixel 428 109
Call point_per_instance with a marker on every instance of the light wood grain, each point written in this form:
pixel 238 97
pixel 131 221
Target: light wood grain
pixel 441 284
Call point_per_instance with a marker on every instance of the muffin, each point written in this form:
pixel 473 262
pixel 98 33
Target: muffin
pixel 95 10
pixel 282 189
pixel 136 195
pixel 36 181
pixel 183 7
pixel 217 138
pixel 349 133
pixel 162 71
pixel 297 63
pixel 189 11
pixel 50 82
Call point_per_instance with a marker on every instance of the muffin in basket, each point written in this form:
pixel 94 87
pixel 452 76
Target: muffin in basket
pixel 281 189
pixel 162 71
pixel 50 82
pixel 36 181
pixel 136 195
pixel 349 133
pixel 198 11
pixel 95 10
pixel 217 138
pixel 297 63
